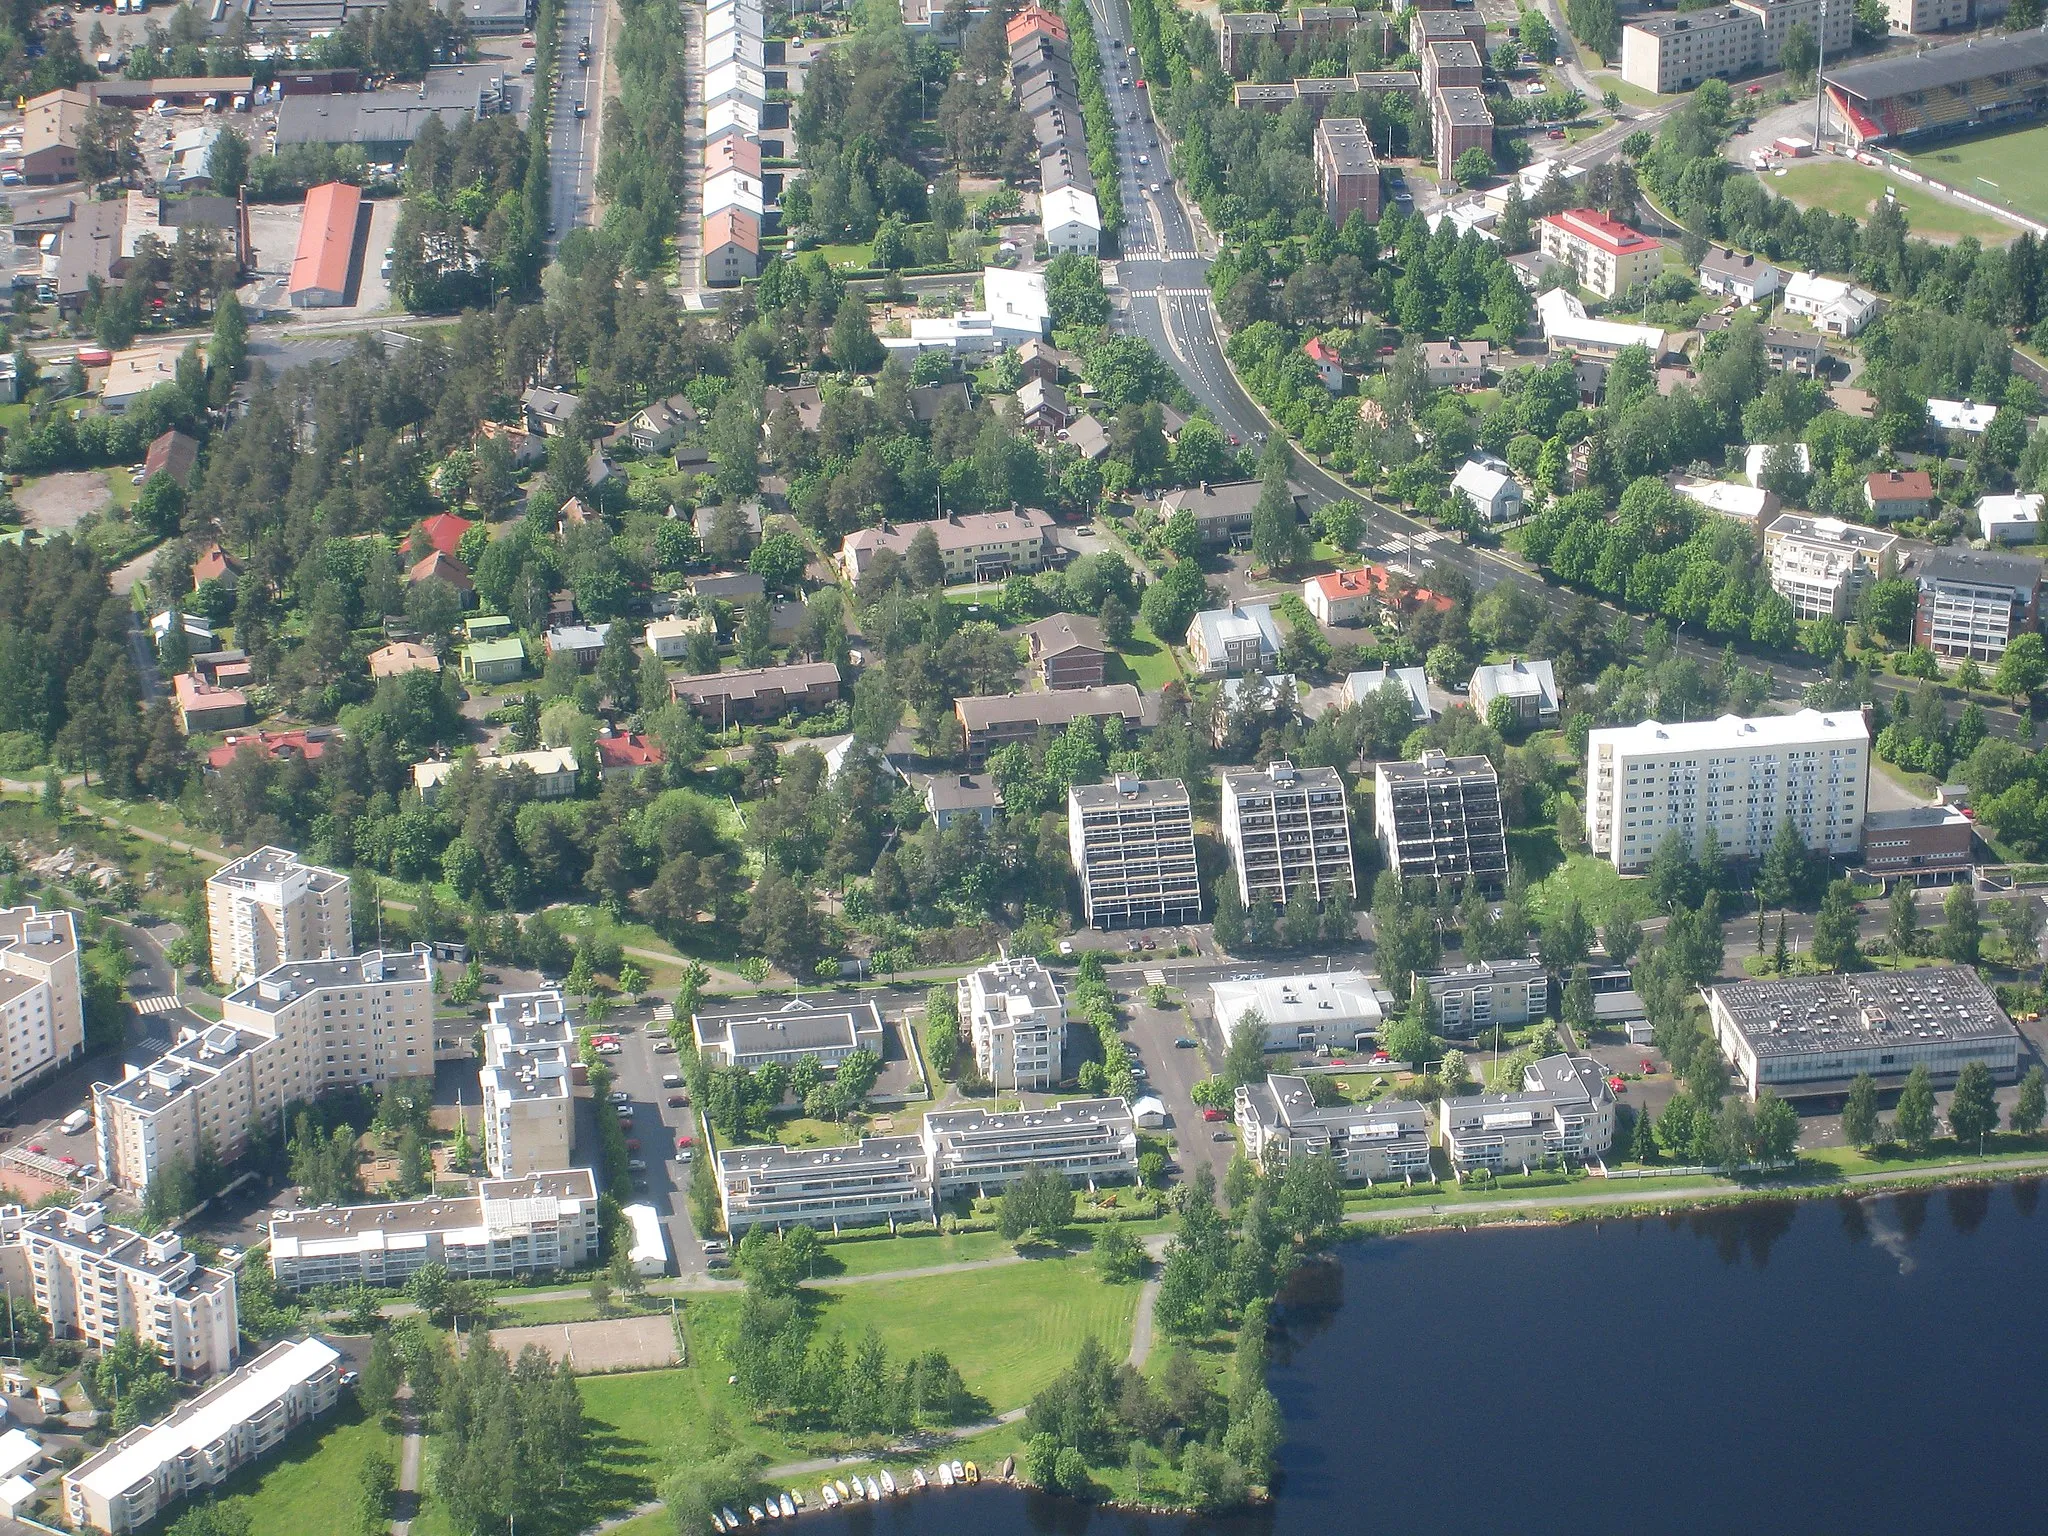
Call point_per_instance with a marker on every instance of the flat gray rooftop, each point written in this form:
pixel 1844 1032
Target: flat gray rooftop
pixel 1132 793
pixel 1806 1015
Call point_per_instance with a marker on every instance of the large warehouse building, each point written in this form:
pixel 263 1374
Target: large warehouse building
pixel 1965 85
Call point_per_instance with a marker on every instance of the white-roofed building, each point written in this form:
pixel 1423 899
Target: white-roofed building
pixel 1532 179
pixel 1360 686
pixel 1016 304
pixel 1530 686
pixel 1757 455
pixel 1835 307
pixel 1957 420
pixel 1070 220
pixel 2010 519
pixel 19 1451
pixel 650 1245
pixel 1244 637
pixel 1820 564
pixel 971 333
pixel 1494 493
pixel 200 1446
pixel 1337 1010
pixel 1568 328
pixel 1730 500
pixel 1737 779
pixel 1016 1021
pixel 1564 1110
pixel 1086 1141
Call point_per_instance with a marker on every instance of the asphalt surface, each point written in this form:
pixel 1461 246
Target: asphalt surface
pixel 572 143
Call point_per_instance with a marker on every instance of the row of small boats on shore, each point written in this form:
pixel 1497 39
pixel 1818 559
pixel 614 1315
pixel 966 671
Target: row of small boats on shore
pixel 848 1490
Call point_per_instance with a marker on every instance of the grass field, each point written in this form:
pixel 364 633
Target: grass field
pixel 1840 187
pixel 1144 661
pixel 1633 95
pixel 1598 889
pixel 310 1487
pixel 2009 168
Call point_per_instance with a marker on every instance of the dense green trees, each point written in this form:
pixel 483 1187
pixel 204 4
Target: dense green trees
pixel 512 1438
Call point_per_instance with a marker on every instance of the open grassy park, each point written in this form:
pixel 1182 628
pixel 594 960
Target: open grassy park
pixel 2009 167
pixel 1842 187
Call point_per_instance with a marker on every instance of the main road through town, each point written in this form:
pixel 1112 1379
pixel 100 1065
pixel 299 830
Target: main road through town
pixel 1162 294
pixel 573 141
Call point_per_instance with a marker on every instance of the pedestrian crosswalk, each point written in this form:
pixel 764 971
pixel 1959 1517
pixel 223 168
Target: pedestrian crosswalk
pixel 155 1002
pixel 1155 253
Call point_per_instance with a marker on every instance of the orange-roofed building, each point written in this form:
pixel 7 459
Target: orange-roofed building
pixel 448 569
pixel 732 152
pixel 1329 366
pixel 281 745
pixel 732 247
pixel 215 564
pixel 1350 597
pixel 628 749
pixel 442 531
pixel 1033 18
pixel 401 657
pixel 327 243
pixel 172 454
pixel 207 708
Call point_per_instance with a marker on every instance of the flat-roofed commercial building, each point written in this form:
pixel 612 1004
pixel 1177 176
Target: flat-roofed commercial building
pixel 529 1107
pixel 1439 818
pixel 536 1224
pixel 1287 827
pixel 1316 1010
pixel 1469 999
pixel 1086 1141
pixel 1811 1037
pixel 1927 844
pixel 993 721
pixel 1604 254
pixel 1280 1121
pixel 751 1035
pixel 1347 170
pixel 1675 53
pixel 42 1002
pixel 878 1181
pixel 1735 779
pixel 1564 1110
pixel 1016 1021
pixel 1132 842
pixel 268 908
pixel 1821 564
pixel 234 1422
pixel 93 1281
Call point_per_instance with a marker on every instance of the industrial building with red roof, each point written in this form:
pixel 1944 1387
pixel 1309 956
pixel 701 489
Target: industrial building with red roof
pixel 327 242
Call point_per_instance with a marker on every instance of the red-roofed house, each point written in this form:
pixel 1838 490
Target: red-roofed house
pixel 732 247
pixel 172 454
pixel 1033 18
pixel 1604 254
pixel 1342 597
pixel 1896 493
pixel 628 749
pixel 215 564
pixel 442 531
pixel 327 242
pixel 1329 366
pixel 449 570
pixel 207 708
pixel 280 744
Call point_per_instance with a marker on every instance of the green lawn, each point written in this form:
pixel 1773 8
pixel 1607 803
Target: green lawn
pixel 1599 890
pixel 1842 187
pixel 883 1255
pixel 1633 95
pixel 1010 1330
pixel 1145 661
pixel 309 1488
pixel 2009 167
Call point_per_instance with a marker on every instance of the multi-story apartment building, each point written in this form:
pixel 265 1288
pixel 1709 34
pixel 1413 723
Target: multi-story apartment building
pixel 233 1423
pixel 880 1180
pixel 1812 1037
pixel 1675 53
pixel 1732 779
pixel 1347 170
pixel 1821 564
pixel 751 1035
pixel 1972 602
pixel 529 1105
pixel 536 1224
pixel 1451 62
pixel 1017 1022
pixel 1314 1011
pixel 1564 1110
pixel 42 1005
pixel 1287 827
pixel 1463 121
pixel 91 1281
pixel 1440 819
pixel 1085 1141
pixel 992 721
pixel 1370 1142
pixel 1468 1000
pixel 1921 17
pixel 1132 842
pixel 1309 30
pixel 1604 254
pixel 296 1032
pixel 1829 25
pixel 1245 637
pixel 984 545
pixel 267 909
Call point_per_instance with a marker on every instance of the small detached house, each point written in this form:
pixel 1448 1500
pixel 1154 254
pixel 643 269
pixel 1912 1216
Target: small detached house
pixel 207 708
pixel 1494 493
pixel 1896 493
pixel 1530 686
pixel 1739 275
pixel 2010 519
pixel 494 661
pixel 1342 597
pixel 1329 366
pixel 656 425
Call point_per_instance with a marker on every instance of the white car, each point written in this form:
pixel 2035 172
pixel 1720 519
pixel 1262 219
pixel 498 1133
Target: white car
pixel 1155 186
pixel 1144 159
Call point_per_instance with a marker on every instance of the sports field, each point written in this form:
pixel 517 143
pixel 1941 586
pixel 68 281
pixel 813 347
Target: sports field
pixel 1842 187
pixel 2009 167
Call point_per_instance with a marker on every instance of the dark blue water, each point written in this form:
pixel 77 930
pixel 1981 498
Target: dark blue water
pixel 1856 1366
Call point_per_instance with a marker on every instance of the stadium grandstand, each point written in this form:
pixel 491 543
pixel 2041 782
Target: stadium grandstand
pixel 1955 88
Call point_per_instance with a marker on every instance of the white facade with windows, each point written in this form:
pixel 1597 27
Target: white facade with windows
pixel 1280 1120
pixel 268 908
pixel 1565 1111
pixel 1014 1014
pixel 1820 564
pixel 1733 779
pixel 42 1003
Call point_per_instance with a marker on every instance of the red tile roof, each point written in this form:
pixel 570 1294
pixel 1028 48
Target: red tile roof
pixel 280 744
pixel 628 750
pixel 1901 485
pixel 450 571
pixel 731 152
pixel 1592 225
pixel 173 454
pixel 1034 18
pixel 444 531
pixel 732 226
pixel 1321 351
pixel 327 238
pixel 213 564
pixel 1378 579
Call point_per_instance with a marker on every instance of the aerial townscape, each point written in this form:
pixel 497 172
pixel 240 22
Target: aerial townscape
pixel 1008 758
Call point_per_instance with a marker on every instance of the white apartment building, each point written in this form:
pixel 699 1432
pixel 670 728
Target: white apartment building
pixel 1734 779
pixel 751 1035
pixel 42 1005
pixel 91 1281
pixel 1469 999
pixel 1439 818
pixel 296 1032
pixel 1316 1010
pixel 1014 1014
pixel 1287 827
pixel 1821 564
pixel 1604 254
pixel 1564 1110
pixel 228 1426
pixel 1280 1120
pixel 879 1181
pixel 538 1223
pixel 529 1105
pixel 1086 1141
pixel 1830 26
pixel 1675 53
pixel 1132 842
pixel 267 909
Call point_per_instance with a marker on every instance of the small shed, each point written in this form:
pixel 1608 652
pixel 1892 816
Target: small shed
pixel 1149 1112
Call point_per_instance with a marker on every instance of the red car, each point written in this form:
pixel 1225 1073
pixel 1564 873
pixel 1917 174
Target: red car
pixel 1212 1114
pixel 1619 1085
pixel 632 1144
pixel 1139 84
pixel 1557 133
pixel 1381 1056
pixel 1649 1066
pixel 684 1141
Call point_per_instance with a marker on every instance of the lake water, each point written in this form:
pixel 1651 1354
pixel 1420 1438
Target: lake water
pixel 1866 1366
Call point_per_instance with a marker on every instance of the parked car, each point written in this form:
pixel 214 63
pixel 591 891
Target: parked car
pixel 1184 1043
pixel 1212 1114
pixel 636 1165
pixel 664 1047
pixel 349 1378
pixel 1223 1136
pixel 620 1096
pixel 676 1101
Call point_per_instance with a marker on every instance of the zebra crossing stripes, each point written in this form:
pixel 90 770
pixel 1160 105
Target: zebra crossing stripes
pixel 156 1002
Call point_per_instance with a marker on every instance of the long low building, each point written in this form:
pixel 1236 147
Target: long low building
pixel 1084 1140
pixel 751 1035
pixel 997 720
pixel 540 1223
pixel 1564 1110
pixel 749 694
pixel 1811 1037
pixel 1337 1010
pixel 231 1424
pixel 1280 1120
